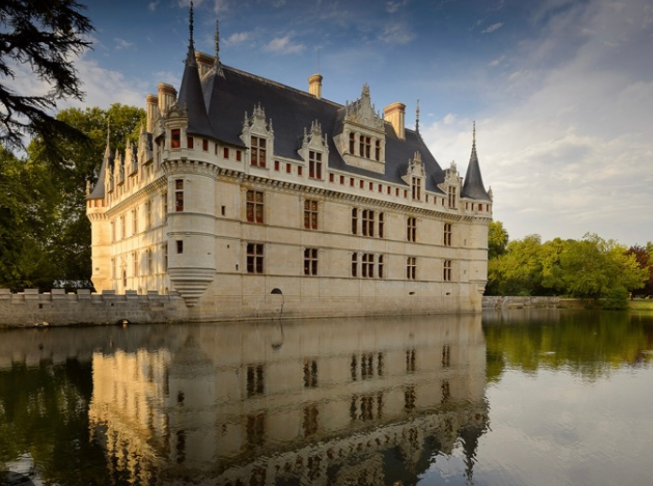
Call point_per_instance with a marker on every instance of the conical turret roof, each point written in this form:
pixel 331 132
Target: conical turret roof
pixel 473 187
pixel 191 96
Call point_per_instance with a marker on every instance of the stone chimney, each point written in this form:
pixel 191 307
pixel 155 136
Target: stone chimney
pixel 204 62
pixel 151 111
pixel 315 85
pixel 395 113
pixel 167 96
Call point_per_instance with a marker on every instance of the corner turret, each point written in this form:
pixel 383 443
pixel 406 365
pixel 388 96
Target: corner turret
pixel 473 187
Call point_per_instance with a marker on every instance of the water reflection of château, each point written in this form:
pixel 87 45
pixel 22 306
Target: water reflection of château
pixel 349 402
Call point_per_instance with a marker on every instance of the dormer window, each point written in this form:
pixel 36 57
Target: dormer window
pixel 362 140
pixel 417 188
pixel 452 197
pixel 175 138
pixel 258 155
pixel 258 135
pixel 315 165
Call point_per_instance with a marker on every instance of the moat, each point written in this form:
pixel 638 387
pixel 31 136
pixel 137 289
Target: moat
pixel 507 398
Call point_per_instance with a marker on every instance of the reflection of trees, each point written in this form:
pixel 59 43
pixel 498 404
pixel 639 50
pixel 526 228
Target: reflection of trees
pixel 590 344
pixel 43 412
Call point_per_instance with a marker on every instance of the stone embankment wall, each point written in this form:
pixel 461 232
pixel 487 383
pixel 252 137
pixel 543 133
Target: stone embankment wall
pixel 514 302
pixel 58 308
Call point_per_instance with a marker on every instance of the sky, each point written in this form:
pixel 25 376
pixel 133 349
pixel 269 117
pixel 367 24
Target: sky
pixel 561 90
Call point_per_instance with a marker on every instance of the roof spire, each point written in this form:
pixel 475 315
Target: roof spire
pixel 474 137
pixel 107 150
pixel 417 117
pixel 218 64
pixel 190 59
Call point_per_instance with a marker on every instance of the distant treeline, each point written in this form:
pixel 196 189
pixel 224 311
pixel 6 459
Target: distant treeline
pixel 587 268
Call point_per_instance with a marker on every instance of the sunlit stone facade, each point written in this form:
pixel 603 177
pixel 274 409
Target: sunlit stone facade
pixel 240 186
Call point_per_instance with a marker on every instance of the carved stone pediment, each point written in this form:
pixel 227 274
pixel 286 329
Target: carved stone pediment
pixel 362 112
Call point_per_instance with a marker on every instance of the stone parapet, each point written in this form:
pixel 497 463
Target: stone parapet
pixel 58 308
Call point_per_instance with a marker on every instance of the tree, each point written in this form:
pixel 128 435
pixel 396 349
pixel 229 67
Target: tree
pixel 45 236
pixel 497 239
pixel 644 258
pixel 593 267
pixel 47 35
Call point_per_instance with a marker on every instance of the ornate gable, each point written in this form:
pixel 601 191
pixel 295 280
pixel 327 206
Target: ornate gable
pixel 362 140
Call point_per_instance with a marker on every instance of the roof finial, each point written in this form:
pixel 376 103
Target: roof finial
pixel 190 60
pixel 474 135
pixel 107 151
pixel 218 64
pixel 417 117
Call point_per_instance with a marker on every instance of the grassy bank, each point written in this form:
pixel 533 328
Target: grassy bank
pixel 641 304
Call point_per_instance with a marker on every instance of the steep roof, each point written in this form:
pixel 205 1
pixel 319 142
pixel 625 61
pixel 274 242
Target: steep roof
pixel 292 111
pixel 473 187
pixel 191 96
pixel 98 190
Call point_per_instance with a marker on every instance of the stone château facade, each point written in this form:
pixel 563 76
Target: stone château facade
pixel 332 210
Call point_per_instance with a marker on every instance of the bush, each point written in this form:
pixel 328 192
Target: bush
pixel 616 298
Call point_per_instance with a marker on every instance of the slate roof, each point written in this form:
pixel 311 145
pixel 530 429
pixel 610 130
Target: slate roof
pixel 473 187
pixel 217 104
pixel 292 111
pixel 98 190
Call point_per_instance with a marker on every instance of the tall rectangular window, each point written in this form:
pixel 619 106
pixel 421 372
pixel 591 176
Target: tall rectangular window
pixel 377 152
pixel 365 146
pixel 150 262
pixel 310 214
pixel 381 224
pixel 148 214
pixel 180 247
pixel 175 138
pixel 354 264
pixel 352 143
pixel 254 206
pixel 135 263
pixel 314 164
pixel 354 221
pixel 225 152
pixel 164 206
pixel 190 142
pixel 411 228
pixel 259 151
pixel 254 258
pixel 165 257
pixel 205 145
pixel 446 271
pixel 135 221
pixel 452 197
pixel 367 268
pixel 310 261
pixel 447 234
pixel 411 267
pixel 417 189
pixel 179 195
pixel 368 223
pixel 380 266
pixel 123 226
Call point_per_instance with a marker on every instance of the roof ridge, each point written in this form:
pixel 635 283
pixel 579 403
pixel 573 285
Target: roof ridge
pixel 281 85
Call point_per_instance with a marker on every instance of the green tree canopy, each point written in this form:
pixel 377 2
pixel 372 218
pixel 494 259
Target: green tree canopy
pixel 46 35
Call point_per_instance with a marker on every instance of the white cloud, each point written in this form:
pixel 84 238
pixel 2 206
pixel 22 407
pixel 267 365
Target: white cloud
pixel 283 45
pixel 492 28
pixel 496 62
pixel 238 37
pixel 569 143
pixel 394 6
pixel 397 33
pixel 220 6
pixel 152 6
pixel 122 43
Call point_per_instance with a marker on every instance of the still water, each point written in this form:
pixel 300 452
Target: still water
pixel 512 398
